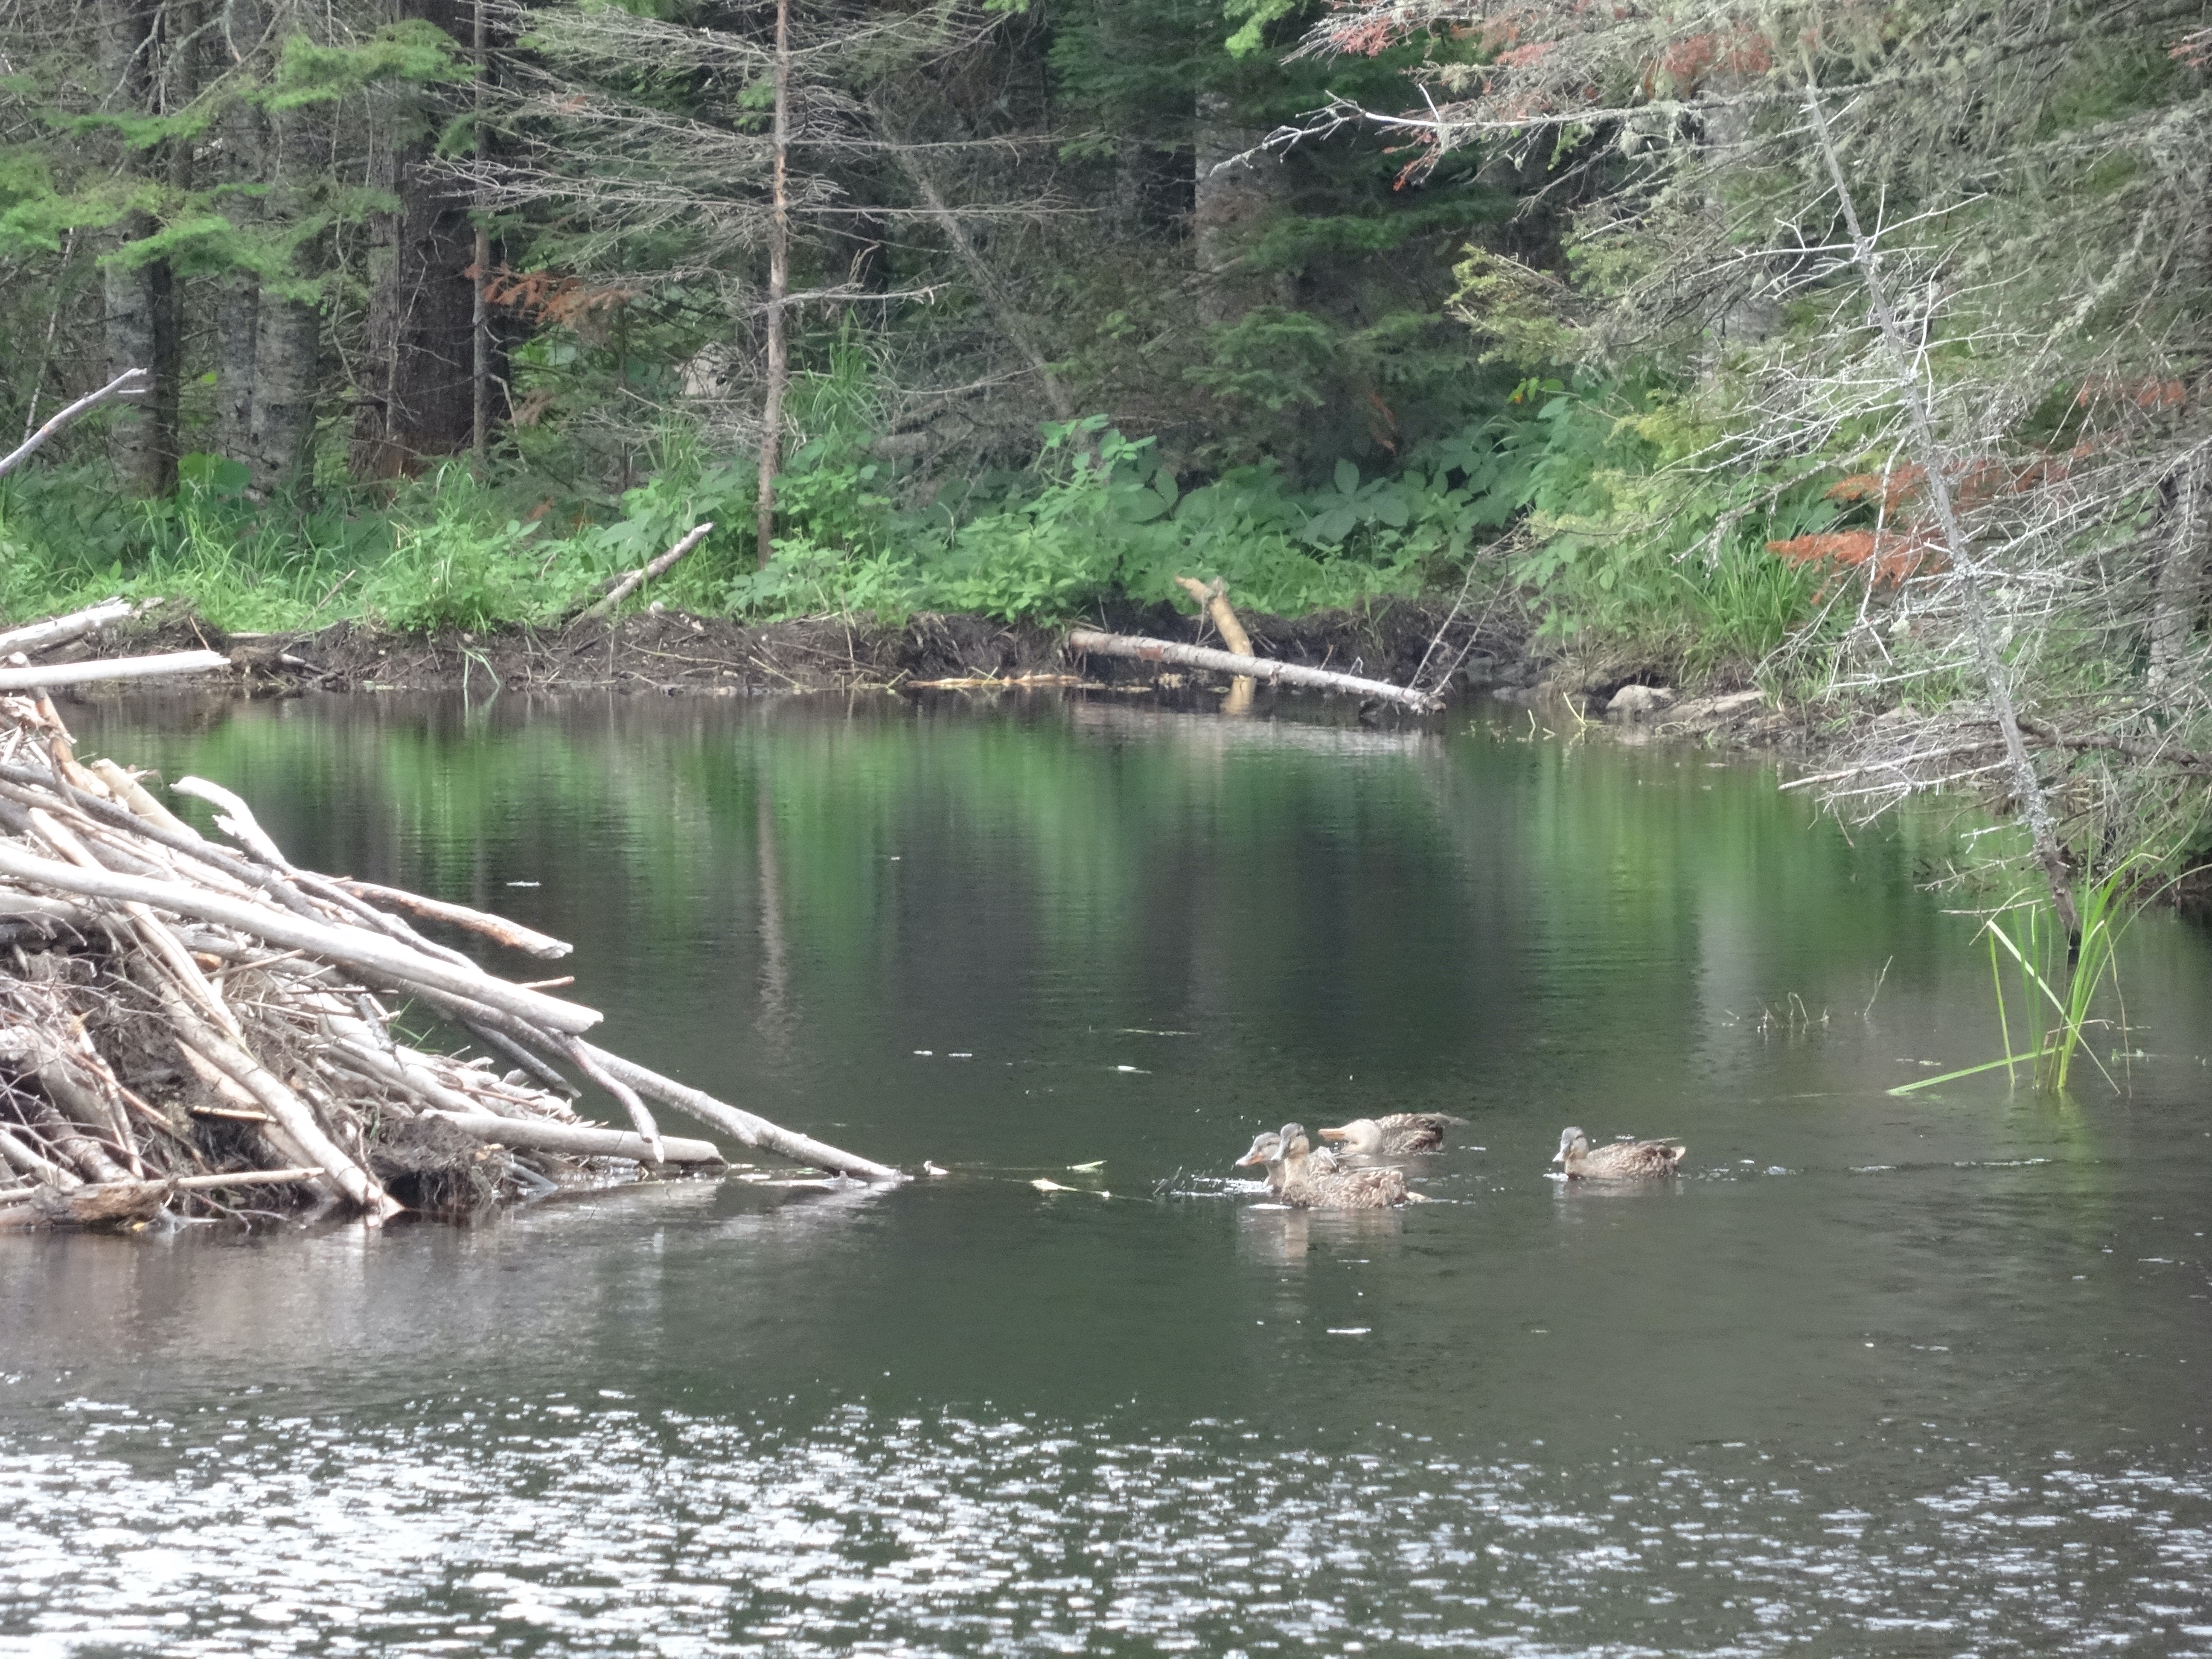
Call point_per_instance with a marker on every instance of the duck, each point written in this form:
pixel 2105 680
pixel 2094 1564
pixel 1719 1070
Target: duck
pixel 1267 1149
pixel 1394 1136
pixel 1619 1160
pixel 1310 1186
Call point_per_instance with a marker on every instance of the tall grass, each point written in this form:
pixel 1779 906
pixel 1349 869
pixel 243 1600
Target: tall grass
pixel 2056 984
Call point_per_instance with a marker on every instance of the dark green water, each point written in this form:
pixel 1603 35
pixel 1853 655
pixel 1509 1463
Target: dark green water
pixel 1878 1376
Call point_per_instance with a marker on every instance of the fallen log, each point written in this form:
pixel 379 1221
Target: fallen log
pixel 46 676
pixel 583 1141
pixel 1090 641
pixel 737 1123
pixel 60 630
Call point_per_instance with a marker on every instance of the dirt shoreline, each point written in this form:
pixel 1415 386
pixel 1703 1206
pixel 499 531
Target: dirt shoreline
pixel 674 653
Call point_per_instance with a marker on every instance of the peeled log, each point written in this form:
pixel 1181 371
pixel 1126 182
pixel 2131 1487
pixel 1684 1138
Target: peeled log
pixel 742 1125
pixel 578 1139
pixel 111 668
pixel 1259 668
pixel 512 934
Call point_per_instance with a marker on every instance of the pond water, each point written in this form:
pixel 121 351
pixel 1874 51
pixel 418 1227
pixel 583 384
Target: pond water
pixel 1877 1374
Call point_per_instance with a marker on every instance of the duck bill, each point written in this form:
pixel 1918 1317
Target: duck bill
pixel 1559 1158
pixel 1246 1162
pixel 1334 1134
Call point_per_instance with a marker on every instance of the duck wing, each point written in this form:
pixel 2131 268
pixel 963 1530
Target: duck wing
pixel 1415 1132
pixel 1376 1188
pixel 1636 1158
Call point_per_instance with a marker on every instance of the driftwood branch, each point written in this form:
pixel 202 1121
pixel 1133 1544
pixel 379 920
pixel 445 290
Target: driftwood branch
pixel 128 384
pixel 1085 640
pixel 625 586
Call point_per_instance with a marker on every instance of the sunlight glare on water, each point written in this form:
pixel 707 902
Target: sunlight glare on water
pixel 1876 1374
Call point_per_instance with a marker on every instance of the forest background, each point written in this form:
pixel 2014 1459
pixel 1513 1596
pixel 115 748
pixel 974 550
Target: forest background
pixel 1854 346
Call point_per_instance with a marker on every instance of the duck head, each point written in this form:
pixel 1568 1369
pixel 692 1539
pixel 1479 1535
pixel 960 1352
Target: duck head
pixel 1267 1148
pixel 1573 1143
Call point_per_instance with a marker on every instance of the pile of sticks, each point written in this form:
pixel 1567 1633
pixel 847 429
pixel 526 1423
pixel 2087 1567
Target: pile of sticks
pixel 202 1027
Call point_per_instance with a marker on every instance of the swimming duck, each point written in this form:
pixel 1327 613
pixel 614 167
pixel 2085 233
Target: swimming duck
pixel 1621 1159
pixel 1310 1186
pixel 1394 1136
pixel 1268 1149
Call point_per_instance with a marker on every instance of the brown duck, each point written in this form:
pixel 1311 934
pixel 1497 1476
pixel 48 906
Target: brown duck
pixel 1267 1149
pixel 1395 1136
pixel 1620 1160
pixel 1307 1184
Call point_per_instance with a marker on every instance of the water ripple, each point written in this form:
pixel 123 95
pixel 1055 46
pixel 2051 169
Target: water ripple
pixel 517 1531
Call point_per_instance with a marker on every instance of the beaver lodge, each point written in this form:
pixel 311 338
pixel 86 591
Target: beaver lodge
pixel 200 1028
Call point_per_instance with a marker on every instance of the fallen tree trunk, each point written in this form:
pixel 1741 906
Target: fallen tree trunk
pixel 1087 640
pixel 43 678
pixel 60 630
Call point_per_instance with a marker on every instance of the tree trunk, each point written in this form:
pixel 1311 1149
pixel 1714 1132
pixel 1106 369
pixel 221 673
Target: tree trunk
pixel 245 154
pixel 480 265
pixel 2177 585
pixel 1233 198
pixel 778 282
pixel 416 374
pixel 138 302
pixel 288 329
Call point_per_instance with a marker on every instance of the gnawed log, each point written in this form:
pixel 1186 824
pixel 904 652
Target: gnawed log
pixel 741 1125
pixel 1090 641
pixel 1214 599
pixel 106 1204
pixel 578 1139
pixel 512 934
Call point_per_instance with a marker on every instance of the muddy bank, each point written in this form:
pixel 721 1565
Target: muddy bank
pixel 673 653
